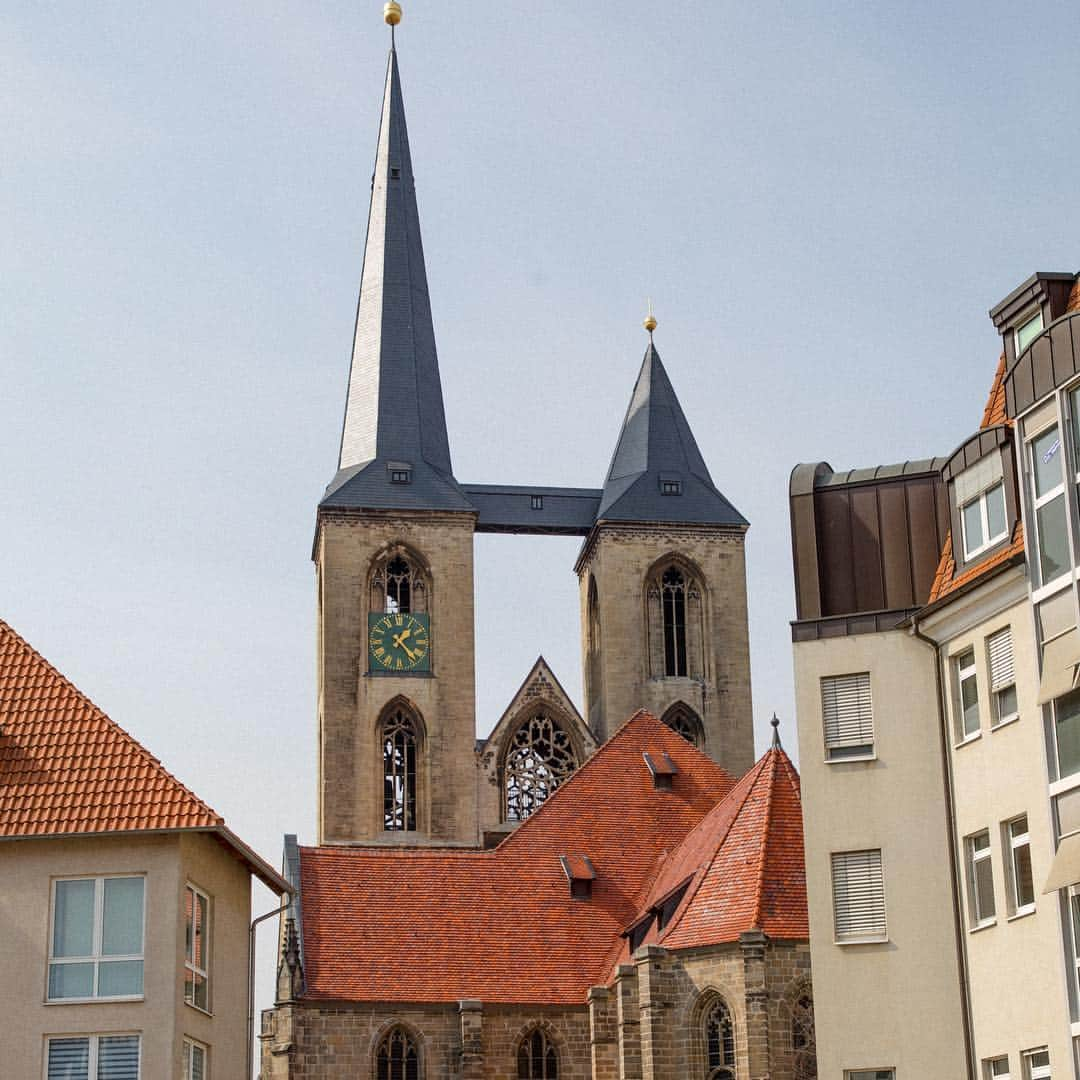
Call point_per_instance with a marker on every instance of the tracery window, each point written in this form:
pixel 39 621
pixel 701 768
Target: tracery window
pixel 537 1058
pixel 398 585
pixel 400 738
pixel 684 721
pixel 673 603
pixel 719 1042
pixel 396 1058
pixel 804 1065
pixel 540 757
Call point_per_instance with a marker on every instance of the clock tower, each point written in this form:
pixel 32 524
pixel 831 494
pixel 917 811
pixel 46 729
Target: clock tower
pixel 393 556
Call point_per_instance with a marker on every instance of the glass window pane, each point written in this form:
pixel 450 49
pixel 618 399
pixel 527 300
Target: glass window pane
pixel 71 981
pixel 1027 333
pixel 73 919
pixel 122 917
pixel 120 978
pixel 1025 887
pixel 973 534
pixel 1067 711
pixel 199 944
pixel 198 1063
pixel 1053 539
pixel 1046 460
pixel 1006 703
pixel 995 511
pixel 1068 812
pixel 69 1059
pixel 969 697
pixel 118 1057
pixel 984 890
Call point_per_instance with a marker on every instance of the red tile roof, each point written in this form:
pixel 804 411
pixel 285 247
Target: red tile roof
pixel 425 925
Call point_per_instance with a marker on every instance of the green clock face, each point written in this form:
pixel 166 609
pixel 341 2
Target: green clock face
pixel 399 642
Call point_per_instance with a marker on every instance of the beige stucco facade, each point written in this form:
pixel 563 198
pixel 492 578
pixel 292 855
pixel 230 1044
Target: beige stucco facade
pixel 169 861
pixel 866 1011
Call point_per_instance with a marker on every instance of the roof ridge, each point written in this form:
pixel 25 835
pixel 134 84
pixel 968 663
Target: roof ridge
pixel 763 847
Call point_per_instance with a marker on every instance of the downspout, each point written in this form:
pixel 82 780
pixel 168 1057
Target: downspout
pixel 251 984
pixel 950 811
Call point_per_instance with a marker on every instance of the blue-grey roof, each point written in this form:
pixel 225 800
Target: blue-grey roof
pixel 506 508
pixel 394 411
pixel 657 445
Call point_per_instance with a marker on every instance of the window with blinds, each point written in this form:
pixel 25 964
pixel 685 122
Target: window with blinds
pixel 999 649
pixel 94 1057
pixel 858 896
pixel 848 716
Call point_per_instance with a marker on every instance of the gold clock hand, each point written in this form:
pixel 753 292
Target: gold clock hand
pixel 400 638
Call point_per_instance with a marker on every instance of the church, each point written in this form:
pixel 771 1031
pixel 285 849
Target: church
pixel 615 894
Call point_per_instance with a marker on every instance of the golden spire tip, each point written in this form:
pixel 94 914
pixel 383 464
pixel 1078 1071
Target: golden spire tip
pixel 650 320
pixel 391 13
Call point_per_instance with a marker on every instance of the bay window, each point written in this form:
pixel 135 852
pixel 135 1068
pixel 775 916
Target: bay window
pixel 197 948
pixel 1051 530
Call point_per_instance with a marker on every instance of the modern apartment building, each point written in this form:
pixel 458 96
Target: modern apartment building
pixel 936 663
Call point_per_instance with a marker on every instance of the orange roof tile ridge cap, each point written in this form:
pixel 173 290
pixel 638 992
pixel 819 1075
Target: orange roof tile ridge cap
pixel 101 714
pixel 774 756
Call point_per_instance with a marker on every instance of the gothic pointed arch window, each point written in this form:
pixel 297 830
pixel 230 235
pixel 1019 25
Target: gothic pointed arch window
pixel 673 607
pixel 396 1057
pixel 399 583
pixel 803 1045
pixel 676 629
pixel 539 757
pixel 719 1042
pixel 537 1057
pixel 401 756
pixel 685 722
pixel 593 639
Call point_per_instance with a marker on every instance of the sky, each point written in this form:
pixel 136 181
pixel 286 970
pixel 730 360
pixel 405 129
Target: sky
pixel 822 202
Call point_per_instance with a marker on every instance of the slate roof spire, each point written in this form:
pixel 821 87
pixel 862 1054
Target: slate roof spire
pixel 394 413
pixel 657 472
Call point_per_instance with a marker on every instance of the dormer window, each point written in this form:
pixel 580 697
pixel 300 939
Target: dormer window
pixel 1028 330
pixel 400 472
pixel 980 496
pixel 670 485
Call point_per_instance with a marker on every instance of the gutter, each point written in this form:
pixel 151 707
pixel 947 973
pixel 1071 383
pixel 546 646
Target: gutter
pixel 250 1048
pixel 950 811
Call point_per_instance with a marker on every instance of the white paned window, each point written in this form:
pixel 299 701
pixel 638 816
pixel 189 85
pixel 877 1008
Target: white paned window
pixel 1067 812
pixel 1051 532
pixel 848 716
pixel 1036 1064
pixel 999 649
pixel 1028 331
pixel 197 948
pixel 195 1061
pixel 94 1057
pixel 968 693
pixel 858 896
pixel 96 943
pixel 996 1068
pixel 1021 883
pixel 984 521
pixel 980 880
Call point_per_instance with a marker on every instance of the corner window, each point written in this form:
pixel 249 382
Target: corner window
pixel 1067 734
pixel 1028 331
pixel 93 1057
pixel 848 716
pixel 96 943
pixel 980 874
pixel 1021 884
pixel 858 896
pixel 1051 532
pixel 968 691
pixel 1036 1064
pixel 197 948
pixel 999 648
pixel 984 521
pixel 194 1061
pixel 996 1068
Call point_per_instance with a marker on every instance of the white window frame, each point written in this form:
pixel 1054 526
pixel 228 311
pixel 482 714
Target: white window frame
pixel 857 1074
pixel 97 957
pixel 975 856
pixel 1014 844
pixel 984 518
pixel 963 673
pixel 988 1068
pixel 1005 671
pixel 190 1047
pixel 94 1039
pixel 189 962
pixel 1039 501
pixel 1035 1072
pixel 1022 323
pixel 866 938
pixel 860 747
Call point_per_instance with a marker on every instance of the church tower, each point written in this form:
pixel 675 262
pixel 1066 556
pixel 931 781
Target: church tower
pixel 663 585
pixel 393 555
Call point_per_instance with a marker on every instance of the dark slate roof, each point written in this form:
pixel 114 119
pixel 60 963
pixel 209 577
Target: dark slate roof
pixel 394 411
pixel 656 444
pixel 506 508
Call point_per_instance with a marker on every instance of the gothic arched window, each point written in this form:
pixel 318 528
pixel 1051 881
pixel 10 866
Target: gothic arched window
pixel 719 1042
pixel 396 1057
pixel 673 605
pixel 593 641
pixel 802 1039
pixel 684 721
pixel 400 741
pixel 537 1059
pixel 398 584
pixel 540 757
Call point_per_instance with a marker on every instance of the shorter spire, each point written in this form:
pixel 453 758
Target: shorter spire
pixel 650 321
pixel 775 721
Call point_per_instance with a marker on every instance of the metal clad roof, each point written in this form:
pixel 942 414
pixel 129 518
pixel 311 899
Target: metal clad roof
pixel 509 508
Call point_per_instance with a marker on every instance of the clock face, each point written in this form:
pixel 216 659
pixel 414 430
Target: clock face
pixel 399 642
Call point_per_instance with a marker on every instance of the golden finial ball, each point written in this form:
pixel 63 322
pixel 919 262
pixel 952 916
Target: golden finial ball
pixel 391 13
pixel 650 322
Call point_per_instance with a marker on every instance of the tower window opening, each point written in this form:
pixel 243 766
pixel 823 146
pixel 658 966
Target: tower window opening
pixel 673 599
pixel 398 585
pixel 395 173
pixel 399 772
pixel 685 722
pixel 538 502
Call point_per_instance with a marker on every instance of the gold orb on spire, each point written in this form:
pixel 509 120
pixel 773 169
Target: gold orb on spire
pixel 650 320
pixel 391 13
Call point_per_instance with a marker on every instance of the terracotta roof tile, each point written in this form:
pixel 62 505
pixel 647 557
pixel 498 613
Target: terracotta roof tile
pixel 65 767
pixel 427 924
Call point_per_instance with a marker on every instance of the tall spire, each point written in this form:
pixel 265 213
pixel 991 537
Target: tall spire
pixel 657 472
pixel 394 412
